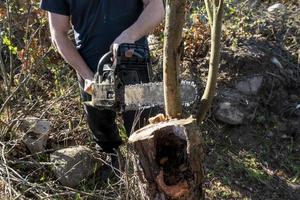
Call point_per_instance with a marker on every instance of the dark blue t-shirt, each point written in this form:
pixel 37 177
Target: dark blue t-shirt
pixel 96 23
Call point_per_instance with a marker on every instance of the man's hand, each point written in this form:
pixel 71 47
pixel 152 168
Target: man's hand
pixel 88 86
pixel 125 37
pixel 152 15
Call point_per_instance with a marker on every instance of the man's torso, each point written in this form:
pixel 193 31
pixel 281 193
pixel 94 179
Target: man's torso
pixel 96 23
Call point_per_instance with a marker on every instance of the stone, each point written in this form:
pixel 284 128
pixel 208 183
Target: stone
pixel 250 86
pixel 231 95
pixel 35 142
pixel 236 97
pixel 229 113
pixel 270 134
pixel 74 164
pixel 36 125
pixel 277 7
pixel 36 133
pixel 254 3
pixel 297 111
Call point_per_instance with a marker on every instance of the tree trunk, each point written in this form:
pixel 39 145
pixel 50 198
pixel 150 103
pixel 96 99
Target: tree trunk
pixel 168 155
pixel 168 160
pixel 173 46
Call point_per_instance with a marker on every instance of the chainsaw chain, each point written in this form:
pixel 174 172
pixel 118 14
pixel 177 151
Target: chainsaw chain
pixel 156 88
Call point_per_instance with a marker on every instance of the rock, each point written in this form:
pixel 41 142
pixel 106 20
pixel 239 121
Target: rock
pixel 250 86
pixel 225 94
pixel 297 112
pixel 35 142
pixel 73 165
pixel 230 114
pixel 236 97
pixel 284 136
pixel 270 134
pixel 254 3
pixel 36 125
pixel 278 7
pixel 36 133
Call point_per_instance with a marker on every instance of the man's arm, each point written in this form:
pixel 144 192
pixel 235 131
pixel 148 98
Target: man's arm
pixel 59 27
pixel 152 15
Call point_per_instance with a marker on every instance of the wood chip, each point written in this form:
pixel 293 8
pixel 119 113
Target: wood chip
pixel 157 119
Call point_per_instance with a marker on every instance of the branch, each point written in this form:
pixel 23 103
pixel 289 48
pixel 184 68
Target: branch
pixel 209 11
pixel 2 68
pixel 214 61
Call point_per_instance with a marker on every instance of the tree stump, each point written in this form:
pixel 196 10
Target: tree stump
pixel 168 160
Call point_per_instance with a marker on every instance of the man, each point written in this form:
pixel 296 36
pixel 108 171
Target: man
pixel 98 25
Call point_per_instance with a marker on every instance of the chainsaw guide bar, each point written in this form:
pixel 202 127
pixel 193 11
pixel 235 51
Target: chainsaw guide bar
pixel 147 95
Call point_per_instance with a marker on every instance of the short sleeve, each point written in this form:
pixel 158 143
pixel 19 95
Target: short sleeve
pixel 56 6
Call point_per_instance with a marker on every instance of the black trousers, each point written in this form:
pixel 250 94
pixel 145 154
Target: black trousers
pixel 102 123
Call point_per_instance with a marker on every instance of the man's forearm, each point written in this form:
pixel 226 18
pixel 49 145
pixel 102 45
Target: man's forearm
pixel 71 55
pixel 152 15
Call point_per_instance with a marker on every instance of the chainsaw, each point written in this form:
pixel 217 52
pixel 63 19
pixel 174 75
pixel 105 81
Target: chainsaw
pixel 122 82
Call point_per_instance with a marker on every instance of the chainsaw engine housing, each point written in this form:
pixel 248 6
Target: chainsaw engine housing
pixel 131 65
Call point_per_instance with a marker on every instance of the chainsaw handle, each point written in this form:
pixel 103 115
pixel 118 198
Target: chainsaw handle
pixel 106 58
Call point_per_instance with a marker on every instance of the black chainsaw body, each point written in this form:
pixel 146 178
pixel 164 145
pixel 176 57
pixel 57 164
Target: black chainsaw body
pixel 130 65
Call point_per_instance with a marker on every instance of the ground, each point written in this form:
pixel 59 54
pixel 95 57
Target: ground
pixel 257 159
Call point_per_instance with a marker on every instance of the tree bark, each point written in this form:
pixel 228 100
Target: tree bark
pixel 168 160
pixel 210 88
pixel 173 46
